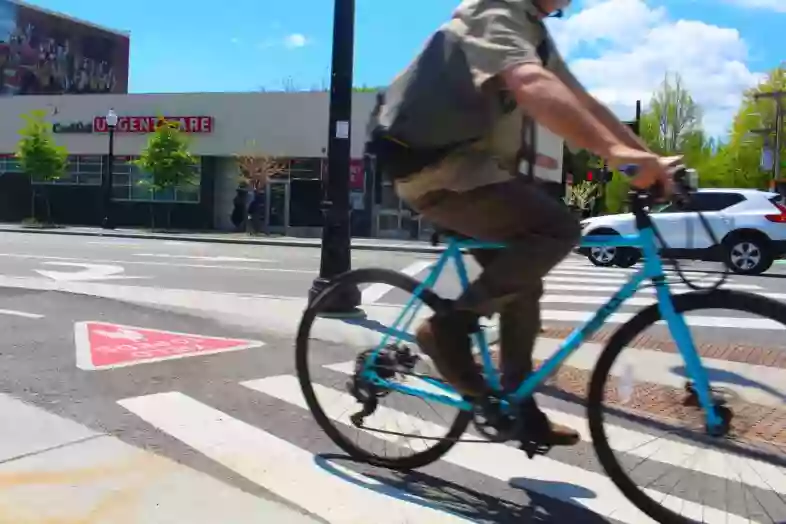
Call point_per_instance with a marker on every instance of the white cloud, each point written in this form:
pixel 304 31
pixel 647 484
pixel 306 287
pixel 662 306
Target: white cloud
pixel 295 40
pixel 636 45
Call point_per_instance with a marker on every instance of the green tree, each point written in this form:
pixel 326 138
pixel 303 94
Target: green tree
pixel 40 158
pixel 744 148
pixel 168 161
pixel 672 122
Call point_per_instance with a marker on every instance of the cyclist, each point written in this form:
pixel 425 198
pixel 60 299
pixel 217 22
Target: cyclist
pixel 453 130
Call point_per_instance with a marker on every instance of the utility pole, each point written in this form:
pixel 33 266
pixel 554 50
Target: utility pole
pixel 336 234
pixel 778 97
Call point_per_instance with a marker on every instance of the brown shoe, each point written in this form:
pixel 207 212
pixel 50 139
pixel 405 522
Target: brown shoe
pixel 560 435
pixel 446 340
pixel 538 427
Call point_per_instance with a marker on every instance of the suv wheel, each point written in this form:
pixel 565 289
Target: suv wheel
pixel 748 255
pixel 603 256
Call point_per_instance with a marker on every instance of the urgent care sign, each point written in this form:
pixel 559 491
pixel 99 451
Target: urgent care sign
pixel 147 124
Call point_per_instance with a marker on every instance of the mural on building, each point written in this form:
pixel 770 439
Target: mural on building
pixel 41 53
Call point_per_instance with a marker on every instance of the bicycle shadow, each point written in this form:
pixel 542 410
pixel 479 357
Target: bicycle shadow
pixel 432 492
pixel 724 376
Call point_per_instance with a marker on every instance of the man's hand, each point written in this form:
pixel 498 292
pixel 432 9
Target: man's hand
pixel 652 169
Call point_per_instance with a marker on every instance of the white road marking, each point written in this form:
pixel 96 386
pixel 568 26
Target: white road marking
pixel 281 467
pixel 89 272
pixel 374 292
pixel 621 281
pixel 501 462
pixel 167 264
pixel 692 320
pixel 205 258
pixel 22 314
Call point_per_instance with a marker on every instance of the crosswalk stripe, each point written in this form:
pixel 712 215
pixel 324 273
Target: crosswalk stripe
pixel 374 292
pixel 691 320
pixel 669 452
pixel 561 270
pixel 279 466
pixel 621 281
pixel 496 461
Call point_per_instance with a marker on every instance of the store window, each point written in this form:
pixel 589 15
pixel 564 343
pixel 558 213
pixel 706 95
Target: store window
pixel 9 164
pixel 83 170
pixel 129 183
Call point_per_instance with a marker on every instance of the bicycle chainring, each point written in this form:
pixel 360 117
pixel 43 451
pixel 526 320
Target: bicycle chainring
pixel 491 422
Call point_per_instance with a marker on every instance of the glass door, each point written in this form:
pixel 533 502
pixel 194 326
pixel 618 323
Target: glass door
pixel 277 208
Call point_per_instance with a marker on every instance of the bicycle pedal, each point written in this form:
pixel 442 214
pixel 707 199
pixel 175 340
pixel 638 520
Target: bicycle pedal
pixel 532 448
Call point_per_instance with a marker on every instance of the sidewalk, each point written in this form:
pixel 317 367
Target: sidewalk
pixel 55 470
pixel 368 244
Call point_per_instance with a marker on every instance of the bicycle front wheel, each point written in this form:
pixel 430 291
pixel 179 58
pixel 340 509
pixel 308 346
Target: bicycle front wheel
pixel 403 436
pixel 635 412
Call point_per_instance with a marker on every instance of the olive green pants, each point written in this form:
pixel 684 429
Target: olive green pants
pixel 539 232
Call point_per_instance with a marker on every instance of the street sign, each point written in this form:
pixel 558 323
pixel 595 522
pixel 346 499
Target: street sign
pixel 101 345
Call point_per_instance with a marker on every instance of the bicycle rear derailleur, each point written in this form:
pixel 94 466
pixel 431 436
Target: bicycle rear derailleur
pixel 390 360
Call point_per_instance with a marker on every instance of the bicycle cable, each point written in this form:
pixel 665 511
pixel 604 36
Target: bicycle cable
pixel 683 190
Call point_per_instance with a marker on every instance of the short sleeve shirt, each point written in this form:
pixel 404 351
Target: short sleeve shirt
pixel 495 35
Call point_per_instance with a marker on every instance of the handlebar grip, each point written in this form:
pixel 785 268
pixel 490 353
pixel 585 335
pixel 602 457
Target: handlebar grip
pixel 681 186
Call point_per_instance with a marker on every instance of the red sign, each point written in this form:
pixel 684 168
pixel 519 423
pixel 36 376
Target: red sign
pixel 147 124
pixel 357 174
pixel 357 178
pixel 101 345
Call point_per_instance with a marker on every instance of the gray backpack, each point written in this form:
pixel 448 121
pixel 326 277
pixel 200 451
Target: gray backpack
pixel 433 108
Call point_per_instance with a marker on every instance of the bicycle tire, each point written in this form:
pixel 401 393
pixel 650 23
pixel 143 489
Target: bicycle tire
pixel 400 281
pixel 717 299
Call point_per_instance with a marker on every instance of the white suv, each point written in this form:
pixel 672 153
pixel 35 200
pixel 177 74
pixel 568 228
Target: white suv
pixel 750 226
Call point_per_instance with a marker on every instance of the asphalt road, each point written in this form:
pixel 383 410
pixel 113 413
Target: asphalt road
pixel 572 292
pixel 238 416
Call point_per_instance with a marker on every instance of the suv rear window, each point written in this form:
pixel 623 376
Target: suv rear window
pixel 713 201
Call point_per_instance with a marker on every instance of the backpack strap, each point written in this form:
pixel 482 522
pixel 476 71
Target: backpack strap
pixel 528 148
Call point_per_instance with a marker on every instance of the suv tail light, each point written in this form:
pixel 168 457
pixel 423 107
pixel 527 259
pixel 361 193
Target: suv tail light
pixel 780 217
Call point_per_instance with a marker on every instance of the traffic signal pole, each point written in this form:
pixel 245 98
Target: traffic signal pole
pixel 778 97
pixel 336 233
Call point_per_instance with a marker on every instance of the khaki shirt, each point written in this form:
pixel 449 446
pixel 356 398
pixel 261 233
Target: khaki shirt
pixel 494 35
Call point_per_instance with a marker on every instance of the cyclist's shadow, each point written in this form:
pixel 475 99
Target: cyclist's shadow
pixel 428 491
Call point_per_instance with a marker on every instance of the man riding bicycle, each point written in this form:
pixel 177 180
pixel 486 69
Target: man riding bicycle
pixel 453 130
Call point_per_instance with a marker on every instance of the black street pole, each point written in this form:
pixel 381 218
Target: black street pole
pixel 107 223
pixel 336 235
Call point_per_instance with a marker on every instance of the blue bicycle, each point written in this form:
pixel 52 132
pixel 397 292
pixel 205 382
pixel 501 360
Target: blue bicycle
pixel 378 369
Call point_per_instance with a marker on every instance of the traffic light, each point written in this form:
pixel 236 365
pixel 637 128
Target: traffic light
pixel 599 175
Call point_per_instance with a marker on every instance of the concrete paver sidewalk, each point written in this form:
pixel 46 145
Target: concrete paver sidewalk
pixel 55 470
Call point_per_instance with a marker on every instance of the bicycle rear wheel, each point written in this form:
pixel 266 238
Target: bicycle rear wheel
pixel 711 493
pixel 432 438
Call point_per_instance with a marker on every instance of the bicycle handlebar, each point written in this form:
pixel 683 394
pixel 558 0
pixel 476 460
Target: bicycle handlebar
pixel 642 198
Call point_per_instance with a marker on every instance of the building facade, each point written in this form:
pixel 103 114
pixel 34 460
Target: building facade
pixel 290 126
pixel 43 52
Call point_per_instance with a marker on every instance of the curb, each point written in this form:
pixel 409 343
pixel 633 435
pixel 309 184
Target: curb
pixel 219 240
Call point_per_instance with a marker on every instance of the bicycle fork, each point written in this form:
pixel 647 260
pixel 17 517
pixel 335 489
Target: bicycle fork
pixel 694 367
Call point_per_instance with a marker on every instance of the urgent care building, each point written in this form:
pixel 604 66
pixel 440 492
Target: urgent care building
pixel 291 126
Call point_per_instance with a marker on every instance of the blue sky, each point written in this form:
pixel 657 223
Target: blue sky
pixel 187 45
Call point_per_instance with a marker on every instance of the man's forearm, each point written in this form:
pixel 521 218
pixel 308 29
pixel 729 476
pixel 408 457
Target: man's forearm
pixel 544 97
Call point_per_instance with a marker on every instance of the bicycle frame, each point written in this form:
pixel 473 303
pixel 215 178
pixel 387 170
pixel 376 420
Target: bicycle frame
pixel 652 270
